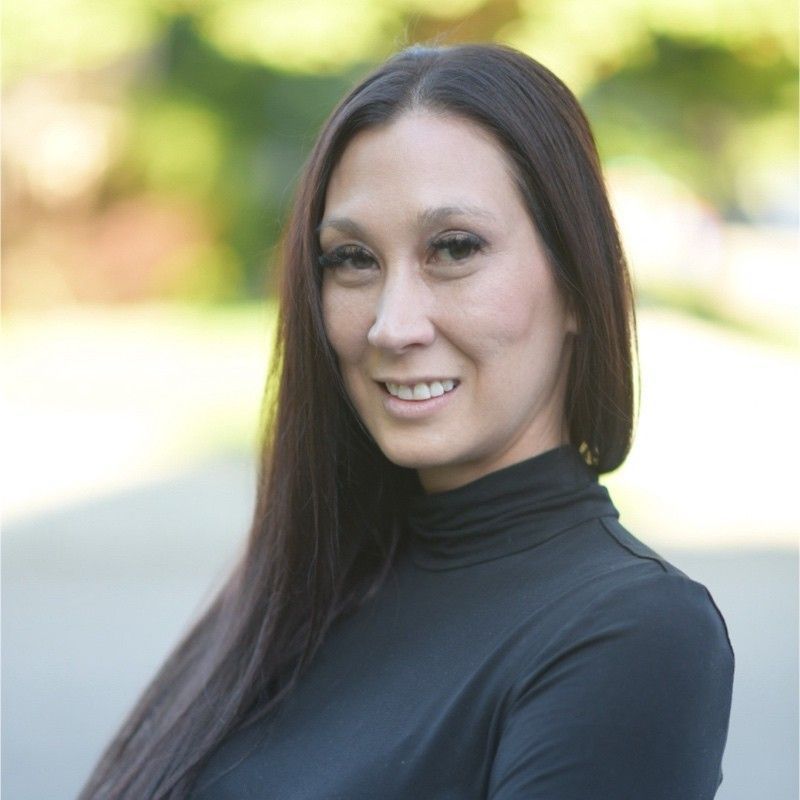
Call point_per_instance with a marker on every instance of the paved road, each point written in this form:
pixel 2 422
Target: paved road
pixel 94 597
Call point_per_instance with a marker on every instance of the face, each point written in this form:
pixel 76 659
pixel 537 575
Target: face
pixel 451 336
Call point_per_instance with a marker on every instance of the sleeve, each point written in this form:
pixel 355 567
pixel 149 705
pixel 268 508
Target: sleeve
pixel 632 704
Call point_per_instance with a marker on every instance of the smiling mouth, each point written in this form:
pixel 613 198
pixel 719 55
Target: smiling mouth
pixel 420 391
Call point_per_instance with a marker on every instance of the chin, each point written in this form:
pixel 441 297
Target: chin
pixel 415 456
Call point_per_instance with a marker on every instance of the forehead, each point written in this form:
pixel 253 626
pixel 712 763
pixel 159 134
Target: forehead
pixel 425 159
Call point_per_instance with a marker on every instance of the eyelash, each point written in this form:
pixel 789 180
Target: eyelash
pixel 341 255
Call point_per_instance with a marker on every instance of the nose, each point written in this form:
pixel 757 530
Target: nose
pixel 401 317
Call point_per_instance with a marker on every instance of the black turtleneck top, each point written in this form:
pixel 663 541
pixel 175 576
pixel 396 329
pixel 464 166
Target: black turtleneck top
pixel 525 646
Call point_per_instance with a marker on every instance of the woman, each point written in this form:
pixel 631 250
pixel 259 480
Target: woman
pixel 437 599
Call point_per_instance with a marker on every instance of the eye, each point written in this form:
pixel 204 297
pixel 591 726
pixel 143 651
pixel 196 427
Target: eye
pixel 349 256
pixel 454 247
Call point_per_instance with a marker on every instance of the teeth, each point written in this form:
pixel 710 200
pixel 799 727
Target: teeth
pixel 421 391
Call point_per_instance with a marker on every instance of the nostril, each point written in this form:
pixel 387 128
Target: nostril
pixel 400 329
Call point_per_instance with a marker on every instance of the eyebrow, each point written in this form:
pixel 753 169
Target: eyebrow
pixel 425 219
pixel 434 216
pixel 344 225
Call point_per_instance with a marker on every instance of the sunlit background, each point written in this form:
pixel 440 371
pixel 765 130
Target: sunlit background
pixel 149 152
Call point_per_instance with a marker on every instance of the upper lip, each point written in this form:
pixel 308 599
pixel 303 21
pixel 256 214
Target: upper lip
pixel 414 381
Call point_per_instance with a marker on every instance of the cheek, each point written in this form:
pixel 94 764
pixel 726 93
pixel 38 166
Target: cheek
pixel 513 321
pixel 496 318
pixel 342 322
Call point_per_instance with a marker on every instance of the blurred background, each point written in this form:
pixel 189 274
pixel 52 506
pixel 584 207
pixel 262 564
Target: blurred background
pixel 149 153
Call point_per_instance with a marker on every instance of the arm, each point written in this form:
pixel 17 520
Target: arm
pixel 633 704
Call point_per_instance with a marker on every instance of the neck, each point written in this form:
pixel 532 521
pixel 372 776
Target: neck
pixel 509 510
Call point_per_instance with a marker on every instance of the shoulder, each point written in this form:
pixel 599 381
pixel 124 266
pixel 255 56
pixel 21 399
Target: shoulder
pixel 648 626
pixel 652 646
pixel 611 575
pixel 621 600
pixel 633 689
pixel 662 599
pixel 665 608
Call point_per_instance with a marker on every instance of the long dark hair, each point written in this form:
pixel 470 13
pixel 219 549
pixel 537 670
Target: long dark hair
pixel 328 514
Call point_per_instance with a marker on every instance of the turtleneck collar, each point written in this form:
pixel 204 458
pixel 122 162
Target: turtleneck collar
pixel 509 510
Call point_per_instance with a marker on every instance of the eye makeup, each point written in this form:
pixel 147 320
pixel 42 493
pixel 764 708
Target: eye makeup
pixel 457 246
pixel 449 248
pixel 340 256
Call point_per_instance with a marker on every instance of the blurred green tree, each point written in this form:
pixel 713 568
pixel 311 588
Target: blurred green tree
pixel 221 100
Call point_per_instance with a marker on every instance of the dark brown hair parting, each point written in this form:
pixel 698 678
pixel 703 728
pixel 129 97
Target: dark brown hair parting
pixel 327 518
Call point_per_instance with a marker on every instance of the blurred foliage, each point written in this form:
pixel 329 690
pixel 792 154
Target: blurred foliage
pixel 686 105
pixel 213 105
pixel 228 133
